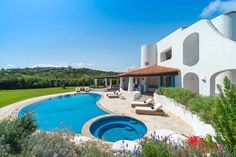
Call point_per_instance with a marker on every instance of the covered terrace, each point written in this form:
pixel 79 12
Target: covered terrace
pixel 110 82
pixel 148 79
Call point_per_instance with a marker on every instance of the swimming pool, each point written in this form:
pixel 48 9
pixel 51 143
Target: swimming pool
pixel 69 111
pixel 115 128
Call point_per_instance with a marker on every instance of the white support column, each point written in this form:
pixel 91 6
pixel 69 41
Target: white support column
pixel 95 82
pixel 110 83
pixel 145 87
pixel 136 80
pixel 131 84
pixel 117 82
pixel 105 82
pixel 135 83
pixel 121 82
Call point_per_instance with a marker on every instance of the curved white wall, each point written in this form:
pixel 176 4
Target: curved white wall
pixel 220 79
pixel 226 24
pixel 148 55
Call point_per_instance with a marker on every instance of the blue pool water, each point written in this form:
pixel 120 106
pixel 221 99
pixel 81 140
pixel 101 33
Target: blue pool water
pixel 70 111
pixel 115 128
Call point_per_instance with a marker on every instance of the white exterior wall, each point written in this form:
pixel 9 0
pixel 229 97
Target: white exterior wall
pixel 217 51
pixel 225 24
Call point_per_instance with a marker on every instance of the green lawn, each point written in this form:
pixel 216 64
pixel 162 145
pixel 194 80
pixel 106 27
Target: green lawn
pixel 10 96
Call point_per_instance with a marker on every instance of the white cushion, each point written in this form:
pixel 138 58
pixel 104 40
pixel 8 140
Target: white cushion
pixel 125 145
pixel 142 102
pixel 155 108
pixel 162 134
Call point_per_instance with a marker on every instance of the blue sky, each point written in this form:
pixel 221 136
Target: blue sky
pixel 99 34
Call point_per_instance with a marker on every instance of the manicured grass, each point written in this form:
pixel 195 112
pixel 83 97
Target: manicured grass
pixel 10 96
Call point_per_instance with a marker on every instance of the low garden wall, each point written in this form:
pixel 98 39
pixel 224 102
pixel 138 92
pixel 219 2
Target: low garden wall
pixel 130 95
pixel 200 128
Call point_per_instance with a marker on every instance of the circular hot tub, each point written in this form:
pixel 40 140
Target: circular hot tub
pixel 115 128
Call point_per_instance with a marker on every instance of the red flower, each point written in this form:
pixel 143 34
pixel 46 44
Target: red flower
pixel 195 140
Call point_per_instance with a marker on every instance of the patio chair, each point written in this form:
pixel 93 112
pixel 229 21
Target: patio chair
pixel 145 103
pixel 86 89
pixel 77 89
pixel 155 110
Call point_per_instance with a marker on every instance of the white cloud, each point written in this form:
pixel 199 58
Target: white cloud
pixel 75 65
pixel 10 66
pixel 79 64
pixel 218 6
pixel 82 65
pixel 50 65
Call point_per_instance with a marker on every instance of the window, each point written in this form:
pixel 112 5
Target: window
pixel 166 55
pixel 191 50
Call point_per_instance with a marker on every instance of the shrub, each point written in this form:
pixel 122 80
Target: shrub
pixel 13 132
pixel 4 148
pixel 85 81
pixel 220 111
pixel 153 149
pixel 93 149
pixel 28 124
pixel 46 145
pixel 202 105
pixel 224 116
pixel 180 95
pixel 97 86
pixel 195 146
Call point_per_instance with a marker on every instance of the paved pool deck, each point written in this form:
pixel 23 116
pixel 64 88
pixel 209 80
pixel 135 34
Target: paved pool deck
pixel 113 106
pixel 123 107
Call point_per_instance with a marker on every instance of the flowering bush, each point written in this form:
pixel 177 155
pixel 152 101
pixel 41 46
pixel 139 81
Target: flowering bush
pixel 18 138
pixel 153 149
pixel 195 141
pixel 13 133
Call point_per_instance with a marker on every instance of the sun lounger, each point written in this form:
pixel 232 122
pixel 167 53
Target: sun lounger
pixel 114 95
pixel 86 89
pixel 155 110
pixel 146 103
pixel 77 89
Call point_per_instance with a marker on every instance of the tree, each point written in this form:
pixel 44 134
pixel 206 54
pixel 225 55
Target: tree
pixel 48 77
pixel 224 116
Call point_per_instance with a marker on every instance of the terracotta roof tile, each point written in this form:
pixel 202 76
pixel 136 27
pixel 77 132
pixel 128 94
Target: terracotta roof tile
pixel 155 70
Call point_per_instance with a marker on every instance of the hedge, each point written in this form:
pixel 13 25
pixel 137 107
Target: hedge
pixel 201 105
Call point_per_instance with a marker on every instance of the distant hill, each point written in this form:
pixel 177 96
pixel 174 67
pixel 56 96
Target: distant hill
pixel 41 77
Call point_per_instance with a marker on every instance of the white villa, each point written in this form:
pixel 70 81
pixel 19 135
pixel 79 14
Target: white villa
pixel 196 57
